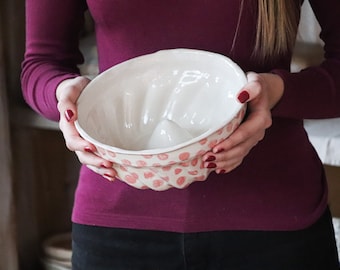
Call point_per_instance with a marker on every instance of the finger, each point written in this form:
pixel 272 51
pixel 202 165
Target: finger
pixel 228 160
pixel 72 138
pixel 251 89
pixel 252 130
pixel 91 159
pixel 225 164
pixel 229 166
pixel 68 93
pixel 233 150
pixel 108 175
pixel 71 89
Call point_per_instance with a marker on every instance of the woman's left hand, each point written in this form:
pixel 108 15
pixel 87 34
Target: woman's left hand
pixel 262 92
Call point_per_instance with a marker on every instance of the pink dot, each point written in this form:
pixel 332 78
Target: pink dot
pixel 166 168
pixel 112 154
pixel 219 132
pixel 230 127
pixel 203 141
pixel 148 175
pixel 181 180
pixel 131 179
pixel 157 183
pixel 123 168
pixel 178 171
pixel 193 172
pixel 163 156
pixel 184 156
pixel 185 164
pixel 212 143
pixel 126 162
pixel 141 163
pixel 194 162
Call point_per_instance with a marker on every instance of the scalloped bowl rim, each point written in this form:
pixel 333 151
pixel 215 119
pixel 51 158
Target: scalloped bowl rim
pixel 182 145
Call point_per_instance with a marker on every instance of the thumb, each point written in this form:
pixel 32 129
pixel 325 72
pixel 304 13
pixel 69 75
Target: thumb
pixel 67 94
pixel 251 89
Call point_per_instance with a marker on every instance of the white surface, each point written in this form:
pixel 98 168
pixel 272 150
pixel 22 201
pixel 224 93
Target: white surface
pixel 309 28
pixel 167 133
pixel 325 137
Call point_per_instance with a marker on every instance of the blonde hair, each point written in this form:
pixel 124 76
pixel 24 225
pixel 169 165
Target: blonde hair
pixel 277 22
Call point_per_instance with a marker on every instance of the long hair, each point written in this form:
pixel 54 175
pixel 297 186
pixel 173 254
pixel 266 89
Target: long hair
pixel 277 23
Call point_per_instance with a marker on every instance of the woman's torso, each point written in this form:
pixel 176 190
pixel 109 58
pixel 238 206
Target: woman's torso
pixel 280 184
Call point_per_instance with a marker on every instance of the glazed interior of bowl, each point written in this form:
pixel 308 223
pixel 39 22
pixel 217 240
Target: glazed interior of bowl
pixel 160 102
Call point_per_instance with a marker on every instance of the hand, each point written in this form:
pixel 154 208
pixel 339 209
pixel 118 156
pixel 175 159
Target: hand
pixel 262 92
pixel 67 94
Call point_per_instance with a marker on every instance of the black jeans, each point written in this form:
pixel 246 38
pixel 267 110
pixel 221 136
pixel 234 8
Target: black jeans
pixel 97 248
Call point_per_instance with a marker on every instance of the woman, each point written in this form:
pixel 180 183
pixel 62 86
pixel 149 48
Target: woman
pixel 265 206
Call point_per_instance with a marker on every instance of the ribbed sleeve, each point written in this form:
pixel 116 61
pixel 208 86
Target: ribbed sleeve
pixel 52 53
pixel 315 91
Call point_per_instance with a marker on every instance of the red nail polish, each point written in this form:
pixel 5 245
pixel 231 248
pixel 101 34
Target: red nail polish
pixel 210 158
pixel 88 149
pixel 243 96
pixel 222 172
pixel 110 177
pixel 211 165
pixel 104 166
pixel 69 114
pixel 219 150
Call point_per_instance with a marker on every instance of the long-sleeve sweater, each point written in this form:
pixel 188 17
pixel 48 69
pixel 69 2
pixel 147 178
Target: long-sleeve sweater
pixel 279 186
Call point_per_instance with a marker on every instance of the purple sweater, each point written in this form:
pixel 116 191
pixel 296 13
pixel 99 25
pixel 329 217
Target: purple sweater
pixel 280 184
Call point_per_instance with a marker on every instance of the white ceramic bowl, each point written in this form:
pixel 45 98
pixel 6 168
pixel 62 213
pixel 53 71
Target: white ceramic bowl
pixel 156 115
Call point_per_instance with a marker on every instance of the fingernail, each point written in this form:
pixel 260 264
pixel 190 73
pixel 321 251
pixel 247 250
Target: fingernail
pixel 222 172
pixel 243 96
pixel 88 149
pixel 104 166
pixel 210 158
pixel 219 151
pixel 211 165
pixel 69 114
pixel 109 177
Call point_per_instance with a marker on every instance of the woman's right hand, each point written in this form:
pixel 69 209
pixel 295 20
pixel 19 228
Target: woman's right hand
pixel 68 92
